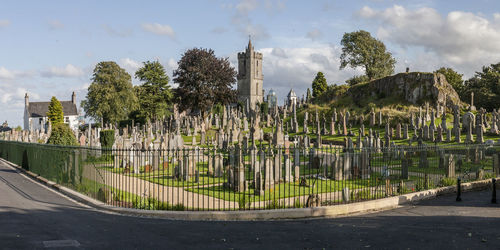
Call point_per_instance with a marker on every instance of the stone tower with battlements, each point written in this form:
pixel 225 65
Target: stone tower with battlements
pixel 250 77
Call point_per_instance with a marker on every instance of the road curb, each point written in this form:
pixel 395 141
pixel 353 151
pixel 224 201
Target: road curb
pixel 276 214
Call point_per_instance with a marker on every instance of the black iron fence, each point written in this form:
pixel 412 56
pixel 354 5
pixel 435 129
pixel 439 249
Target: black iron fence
pixel 252 178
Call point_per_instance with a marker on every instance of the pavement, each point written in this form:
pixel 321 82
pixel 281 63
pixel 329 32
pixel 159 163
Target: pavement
pixel 35 217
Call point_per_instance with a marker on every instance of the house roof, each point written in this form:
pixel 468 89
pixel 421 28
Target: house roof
pixel 40 109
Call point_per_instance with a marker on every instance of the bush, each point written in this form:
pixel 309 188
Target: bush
pixel 62 135
pixel 107 138
pixel 444 182
pixel 489 176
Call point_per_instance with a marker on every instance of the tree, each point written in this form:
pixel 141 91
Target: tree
pixel 55 113
pixel 357 80
pixel 486 87
pixel 360 49
pixel 453 78
pixel 107 138
pixel 110 97
pixel 204 80
pixel 308 95
pixel 319 85
pixel 62 135
pixel 154 95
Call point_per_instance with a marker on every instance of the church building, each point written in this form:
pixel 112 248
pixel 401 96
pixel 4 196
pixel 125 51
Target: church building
pixel 250 77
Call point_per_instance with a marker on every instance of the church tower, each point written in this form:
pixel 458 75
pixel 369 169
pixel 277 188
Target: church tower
pixel 250 77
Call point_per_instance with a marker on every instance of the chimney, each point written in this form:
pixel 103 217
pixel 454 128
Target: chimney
pixel 73 98
pixel 26 100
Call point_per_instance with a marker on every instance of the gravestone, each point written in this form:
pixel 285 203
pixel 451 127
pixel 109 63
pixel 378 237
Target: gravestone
pixel 450 166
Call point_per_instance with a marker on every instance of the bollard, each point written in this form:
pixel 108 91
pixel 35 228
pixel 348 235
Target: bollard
pixel 459 191
pixel 494 193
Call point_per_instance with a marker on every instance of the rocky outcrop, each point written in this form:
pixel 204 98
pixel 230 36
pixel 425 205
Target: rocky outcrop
pixel 415 87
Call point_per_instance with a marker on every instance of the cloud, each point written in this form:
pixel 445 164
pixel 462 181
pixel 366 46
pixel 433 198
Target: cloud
pixel 244 25
pixel 4 23
pixel 67 71
pixel 460 39
pixel 219 30
pixel 6 74
pixel 246 6
pixel 159 29
pixel 274 5
pixel 55 25
pixel 314 34
pixel 130 65
pixel 116 32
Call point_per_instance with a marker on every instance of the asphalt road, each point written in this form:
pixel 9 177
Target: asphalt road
pixel 31 216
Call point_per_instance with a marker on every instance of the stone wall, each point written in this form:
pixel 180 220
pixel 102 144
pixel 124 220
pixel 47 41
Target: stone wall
pixel 415 87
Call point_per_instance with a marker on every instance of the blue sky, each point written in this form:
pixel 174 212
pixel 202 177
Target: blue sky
pixel 49 48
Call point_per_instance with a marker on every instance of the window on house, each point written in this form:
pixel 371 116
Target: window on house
pixel 66 119
pixel 40 120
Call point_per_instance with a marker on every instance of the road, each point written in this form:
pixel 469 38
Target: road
pixel 32 216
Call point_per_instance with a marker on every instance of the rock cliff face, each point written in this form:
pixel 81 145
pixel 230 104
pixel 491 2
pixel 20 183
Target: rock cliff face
pixel 415 87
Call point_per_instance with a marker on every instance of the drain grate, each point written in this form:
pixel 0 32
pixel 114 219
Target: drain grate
pixel 61 243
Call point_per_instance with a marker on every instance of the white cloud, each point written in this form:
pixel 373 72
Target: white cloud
pixel 459 39
pixel 6 74
pixel 67 71
pixel 117 32
pixel 55 25
pixel 130 65
pixel 4 23
pixel 243 23
pixel 314 34
pixel 246 6
pixel 159 29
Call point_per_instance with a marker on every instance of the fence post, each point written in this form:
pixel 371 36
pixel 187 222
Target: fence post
pixel 459 191
pixel 494 193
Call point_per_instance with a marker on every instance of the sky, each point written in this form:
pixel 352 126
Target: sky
pixel 50 48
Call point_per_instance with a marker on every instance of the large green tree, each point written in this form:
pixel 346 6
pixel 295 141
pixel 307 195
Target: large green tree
pixel 110 97
pixel 486 87
pixel 204 80
pixel 154 94
pixel 55 112
pixel 453 78
pixel 360 49
pixel 319 85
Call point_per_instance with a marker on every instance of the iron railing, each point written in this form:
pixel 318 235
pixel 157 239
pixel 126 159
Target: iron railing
pixel 255 178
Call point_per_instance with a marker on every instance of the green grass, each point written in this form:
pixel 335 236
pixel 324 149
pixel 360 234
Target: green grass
pixel 289 190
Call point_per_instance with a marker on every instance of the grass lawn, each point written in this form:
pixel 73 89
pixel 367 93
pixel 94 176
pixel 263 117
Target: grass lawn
pixel 288 190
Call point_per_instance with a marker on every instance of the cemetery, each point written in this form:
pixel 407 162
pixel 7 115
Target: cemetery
pixel 244 159
pixel 394 135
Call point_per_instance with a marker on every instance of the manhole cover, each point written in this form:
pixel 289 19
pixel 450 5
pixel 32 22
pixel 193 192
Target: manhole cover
pixel 61 243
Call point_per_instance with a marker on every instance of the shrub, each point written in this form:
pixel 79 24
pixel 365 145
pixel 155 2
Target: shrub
pixel 361 195
pixel 489 175
pixel 62 135
pixel 444 182
pixel 104 194
pixel 107 138
pixel 242 202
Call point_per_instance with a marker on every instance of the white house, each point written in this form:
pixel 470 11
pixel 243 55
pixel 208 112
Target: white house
pixel 35 114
